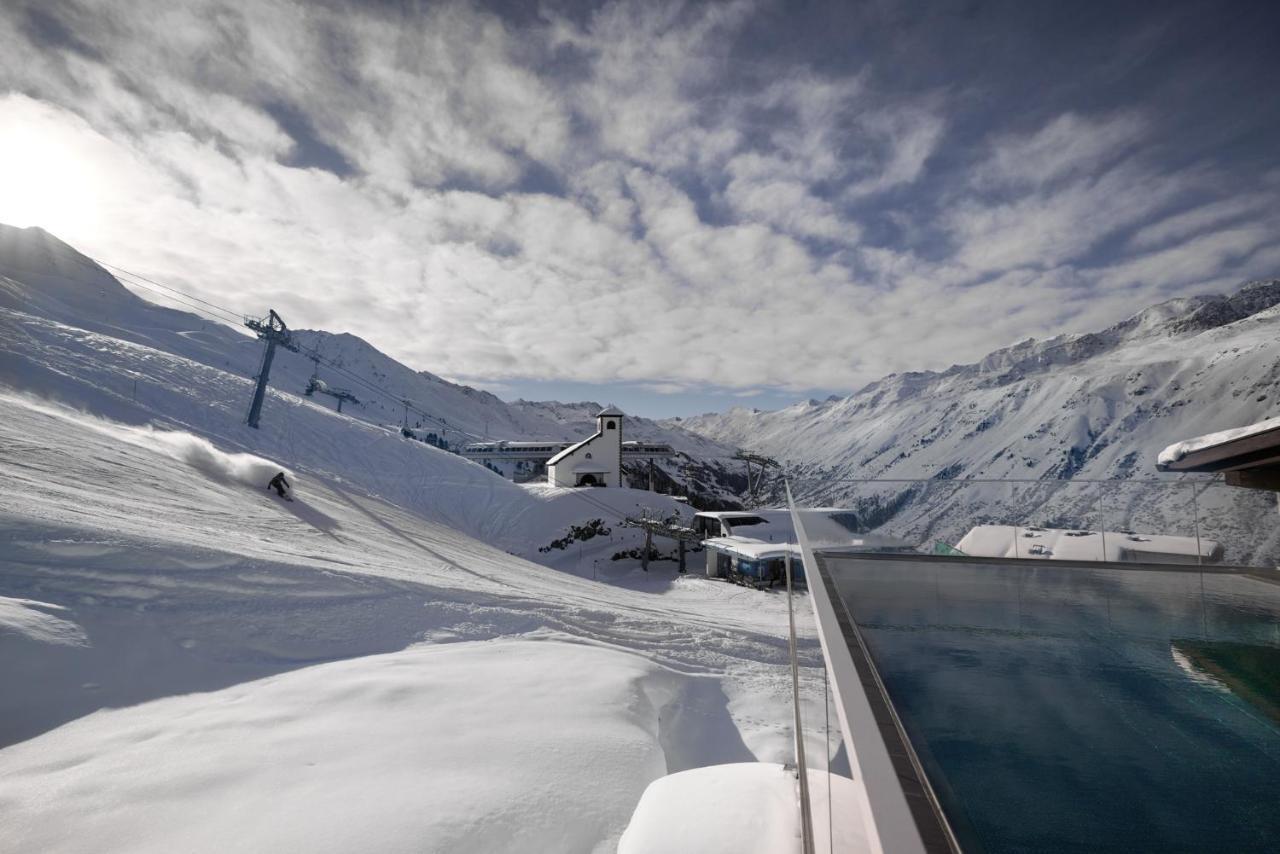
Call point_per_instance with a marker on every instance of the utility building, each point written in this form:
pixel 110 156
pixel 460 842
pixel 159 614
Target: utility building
pixel 596 460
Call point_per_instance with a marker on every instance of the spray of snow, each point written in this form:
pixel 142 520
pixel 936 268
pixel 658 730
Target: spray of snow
pixel 195 451
pixel 201 455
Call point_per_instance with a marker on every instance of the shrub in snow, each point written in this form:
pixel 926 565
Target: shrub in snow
pixel 579 534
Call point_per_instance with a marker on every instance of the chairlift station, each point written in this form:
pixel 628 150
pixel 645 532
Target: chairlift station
pixel 594 461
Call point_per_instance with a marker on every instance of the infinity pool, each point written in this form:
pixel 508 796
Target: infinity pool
pixel 1073 709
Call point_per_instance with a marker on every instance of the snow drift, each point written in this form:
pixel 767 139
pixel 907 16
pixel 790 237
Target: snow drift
pixel 40 622
pixel 490 746
pixel 742 808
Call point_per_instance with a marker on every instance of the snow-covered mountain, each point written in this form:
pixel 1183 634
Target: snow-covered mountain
pixel 40 274
pixel 1071 408
pixel 1075 407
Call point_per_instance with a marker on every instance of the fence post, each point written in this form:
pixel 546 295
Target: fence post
pixel 1195 518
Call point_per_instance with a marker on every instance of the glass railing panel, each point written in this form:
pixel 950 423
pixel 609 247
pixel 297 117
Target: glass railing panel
pixel 1245 522
pixel 828 763
pixel 856 800
pixel 991 652
pixel 1138 521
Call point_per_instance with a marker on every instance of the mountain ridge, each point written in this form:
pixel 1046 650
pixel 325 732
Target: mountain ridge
pixel 1090 407
pixel 1178 315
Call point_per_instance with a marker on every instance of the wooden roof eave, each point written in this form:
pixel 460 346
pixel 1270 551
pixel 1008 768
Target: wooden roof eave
pixel 1247 452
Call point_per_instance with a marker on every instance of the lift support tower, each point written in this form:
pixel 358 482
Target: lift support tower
pixel 272 330
pixel 755 481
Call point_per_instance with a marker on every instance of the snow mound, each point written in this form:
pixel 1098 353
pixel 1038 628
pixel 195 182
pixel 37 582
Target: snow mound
pixel 741 808
pixel 39 622
pixel 484 746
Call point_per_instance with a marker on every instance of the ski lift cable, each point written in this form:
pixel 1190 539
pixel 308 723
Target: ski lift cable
pixel 135 276
pixel 205 313
pixel 600 506
pixel 178 297
pixel 194 303
pixel 178 294
pixel 151 284
pixel 313 354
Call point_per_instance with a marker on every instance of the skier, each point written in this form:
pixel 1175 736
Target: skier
pixel 279 484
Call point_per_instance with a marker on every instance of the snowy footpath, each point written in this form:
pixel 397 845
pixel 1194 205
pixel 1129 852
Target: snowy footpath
pixel 191 664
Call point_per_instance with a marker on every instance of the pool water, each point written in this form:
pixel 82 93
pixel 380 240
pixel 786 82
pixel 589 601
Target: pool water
pixel 1059 709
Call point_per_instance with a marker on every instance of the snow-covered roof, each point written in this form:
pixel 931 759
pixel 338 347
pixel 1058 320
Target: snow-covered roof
pixel 569 450
pixel 479 447
pixel 752 549
pixel 1030 541
pixel 730 515
pixel 1176 452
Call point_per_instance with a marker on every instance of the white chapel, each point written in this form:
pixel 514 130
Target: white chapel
pixel 596 460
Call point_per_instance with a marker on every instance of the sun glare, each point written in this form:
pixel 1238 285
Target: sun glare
pixel 45 181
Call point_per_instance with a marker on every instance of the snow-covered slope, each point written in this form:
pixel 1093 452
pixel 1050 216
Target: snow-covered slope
pixel 138 565
pixel 201 666
pixel 1095 406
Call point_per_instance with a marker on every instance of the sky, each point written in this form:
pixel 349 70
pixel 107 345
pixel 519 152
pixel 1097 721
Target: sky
pixel 675 207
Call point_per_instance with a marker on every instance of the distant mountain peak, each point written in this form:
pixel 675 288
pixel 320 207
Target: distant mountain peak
pixel 61 282
pixel 1177 316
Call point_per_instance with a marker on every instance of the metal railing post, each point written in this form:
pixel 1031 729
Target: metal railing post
pixel 802 770
pixel 1102 519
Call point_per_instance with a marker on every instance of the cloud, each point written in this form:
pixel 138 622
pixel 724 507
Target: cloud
pixel 1068 146
pixel 1199 219
pixel 1193 261
pixel 908 137
pixel 1046 228
pixel 648 193
pixel 665 388
pixel 651 75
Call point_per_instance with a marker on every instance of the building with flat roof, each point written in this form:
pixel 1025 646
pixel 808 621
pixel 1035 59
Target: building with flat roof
pixel 752 562
pixel 1037 543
